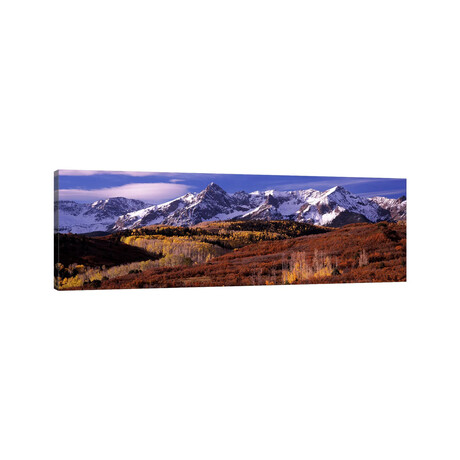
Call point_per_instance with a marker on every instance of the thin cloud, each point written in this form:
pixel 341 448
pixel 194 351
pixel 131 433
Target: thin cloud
pixel 399 192
pixel 88 172
pixel 151 193
pixel 329 183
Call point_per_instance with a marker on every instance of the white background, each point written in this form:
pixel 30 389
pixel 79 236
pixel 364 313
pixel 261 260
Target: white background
pixel 353 88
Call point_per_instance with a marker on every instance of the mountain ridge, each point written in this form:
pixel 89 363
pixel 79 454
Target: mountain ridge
pixel 73 217
pixel 333 207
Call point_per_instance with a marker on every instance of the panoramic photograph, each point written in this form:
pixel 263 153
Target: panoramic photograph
pixel 130 230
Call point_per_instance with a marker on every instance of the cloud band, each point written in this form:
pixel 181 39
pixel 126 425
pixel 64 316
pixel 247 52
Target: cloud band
pixel 150 192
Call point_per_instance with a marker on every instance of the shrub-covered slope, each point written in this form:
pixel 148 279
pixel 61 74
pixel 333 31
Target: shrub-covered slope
pixel 354 253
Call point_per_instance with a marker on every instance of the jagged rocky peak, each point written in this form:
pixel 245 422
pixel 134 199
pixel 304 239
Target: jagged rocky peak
pixel 241 194
pixel 115 206
pixel 241 198
pixel 213 187
pixel 338 191
pixel 212 192
pixel 337 188
pixel 116 201
pixel 271 199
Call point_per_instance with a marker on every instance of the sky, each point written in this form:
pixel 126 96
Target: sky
pixel 86 186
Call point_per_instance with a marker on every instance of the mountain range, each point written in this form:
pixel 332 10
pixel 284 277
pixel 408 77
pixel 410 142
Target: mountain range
pixel 334 207
pixel 73 217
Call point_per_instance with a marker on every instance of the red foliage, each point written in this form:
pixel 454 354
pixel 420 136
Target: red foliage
pixel 261 263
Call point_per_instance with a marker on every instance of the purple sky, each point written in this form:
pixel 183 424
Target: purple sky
pixel 154 188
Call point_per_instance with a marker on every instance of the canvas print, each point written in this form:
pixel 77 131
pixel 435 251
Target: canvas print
pixel 124 230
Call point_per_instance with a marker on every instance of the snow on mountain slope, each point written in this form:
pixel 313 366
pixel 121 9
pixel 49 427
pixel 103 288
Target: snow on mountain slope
pixel 334 207
pixel 396 206
pixel 98 216
pixel 324 208
pixel 212 203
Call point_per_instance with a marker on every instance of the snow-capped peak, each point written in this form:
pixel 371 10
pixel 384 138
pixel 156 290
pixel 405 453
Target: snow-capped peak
pixel 213 186
pixel 337 188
